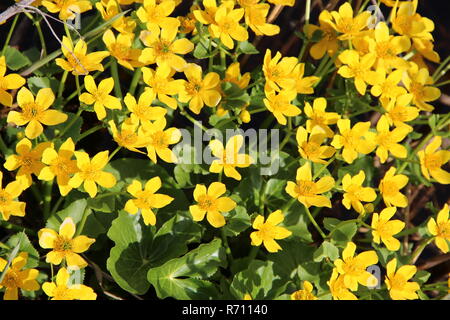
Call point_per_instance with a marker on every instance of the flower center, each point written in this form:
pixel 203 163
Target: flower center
pixel 207 203
pixel 305 188
pixel 417 90
pixel 388 189
pixel 267 231
pixel 432 161
pixel 193 87
pixel 62 244
pixel 444 230
pixel 158 139
pixel 11 280
pixel 352 267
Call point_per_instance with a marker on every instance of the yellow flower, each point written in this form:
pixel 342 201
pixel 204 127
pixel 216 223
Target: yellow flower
pixel 383 228
pixel 146 199
pixel 344 22
pixel 311 148
pixel 418 82
pixel 329 42
pixel 354 140
pixel 128 137
pixel 233 75
pixel 390 187
pixel 398 111
pixel 308 192
pixel 142 109
pixel 60 165
pixel 164 49
pixel 255 18
pixel 64 245
pixel 318 117
pixel 90 172
pixel 405 21
pixel 353 268
pixel 359 68
pixel 160 139
pixel 211 203
pixel 397 281
pixel 226 26
pixel 64 290
pixel 67 8
pixel 162 84
pixel 28 161
pixel 8 206
pixel 304 294
pixel 338 289
pixel 388 141
pixel 389 85
pixel 229 157
pixel 279 74
pixel 303 85
pixel 207 16
pixel 100 97
pixel 15 278
pixel 432 160
pixel 199 91
pixel 156 15
pixel 109 9
pixel 187 23
pixel 34 112
pixel 79 62
pixel 8 82
pixel 247 297
pixel 280 105
pixel 354 192
pixel 121 49
pixel 268 231
pixel 440 229
pixel 289 3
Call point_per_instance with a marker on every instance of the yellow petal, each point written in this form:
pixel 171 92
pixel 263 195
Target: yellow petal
pixel 67 228
pixel 81 244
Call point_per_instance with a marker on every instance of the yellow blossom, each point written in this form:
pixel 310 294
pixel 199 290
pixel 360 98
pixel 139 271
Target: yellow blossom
pixel 440 229
pixel 100 96
pixel 9 206
pixel 15 277
pixel 162 85
pixel 397 281
pixel 121 49
pixel 399 111
pixel 308 192
pixel 146 199
pixel 255 18
pixel 353 140
pixel 389 85
pixel 388 141
pixel 67 8
pixel 311 148
pixel 344 22
pixel 109 9
pixel 390 187
pixel 354 192
pixel 304 85
pixel 64 290
pixel 64 245
pixel 304 294
pixel 432 160
pixel 353 268
pixel 329 42
pixel 338 289
pixel 226 26
pixel 28 160
pixel 289 3
pixel 279 74
pixel 199 90
pixel 229 157
pixel 8 82
pixel 269 231
pixel 318 117
pixel 233 75
pixel 384 229
pixel 79 62
pixel 210 202
pixel 60 165
pixel 419 83
pixel 127 137
pixel 156 16
pixel 160 139
pixel 142 109
pixel 91 172
pixel 280 105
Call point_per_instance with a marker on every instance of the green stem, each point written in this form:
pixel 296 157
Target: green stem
pixel 415 255
pixel 82 222
pixel 307 11
pixel 191 119
pixel 114 153
pixel 16 227
pixel 56 206
pixel 71 123
pixel 62 84
pixel 90 131
pixel 48 185
pixel 11 30
pixel 115 74
pixel 437 74
pixel 313 221
pixel 3 147
pixel 288 135
pixel 253 253
pixel 325 166
pixel 226 245
pixel 440 84
pixel 134 82
pixel 41 37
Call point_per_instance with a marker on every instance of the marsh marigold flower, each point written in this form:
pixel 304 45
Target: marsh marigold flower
pixel 419 84
pixel 269 231
pixel 28 160
pixel 354 192
pixel 60 165
pixel 328 42
pixel 308 192
pixel 432 160
pixel 388 141
pixel 64 245
pixel 229 157
pixel 9 206
pixel 318 117
pixel 399 111
pixel 35 112
pixel 121 49
pixel 67 8
pixel 338 289
pixel 8 82
pixel 64 290
pixel 91 172
pixel 16 277
pixel 142 109
pixel 109 9
pixel 279 73
pixel 156 15
pixel 280 105
pixel 256 19
pixel 210 202
pixel 390 187
pixel 305 294
pixel 226 26
pixel 397 281
pixel 384 229
pixel 100 96
pixel 146 199
pixel 161 83
pixel 127 137
pixel 311 148
pixel 304 85
pixel 440 229
pixel 353 268
pixel 344 22
pixel 389 86
pixel 79 62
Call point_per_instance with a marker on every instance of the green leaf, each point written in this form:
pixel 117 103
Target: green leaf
pixel 326 250
pixel 25 246
pixel 73 132
pixel 296 220
pixel 182 176
pixel 186 277
pixel 343 232
pixel 422 276
pixel 201 49
pixel 238 222
pixel 247 48
pixel 76 210
pixel 37 83
pixel 16 60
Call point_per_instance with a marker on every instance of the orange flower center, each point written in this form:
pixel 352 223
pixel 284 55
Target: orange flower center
pixel 417 90
pixel 432 161
pixel 267 231
pixel 89 173
pixel 62 244
pixel 389 189
pixel 353 267
pixel 207 203
pixel 305 188
pixel 193 87
pixel 444 230
pixel 397 282
pixel 158 140
pixel 12 279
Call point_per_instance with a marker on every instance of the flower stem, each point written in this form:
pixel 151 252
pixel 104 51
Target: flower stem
pixel 313 221
pixel 62 84
pixel 47 198
pixel 115 74
pixel 11 30
pixel 90 131
pixel 114 153
pixel 135 80
pixel 416 253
